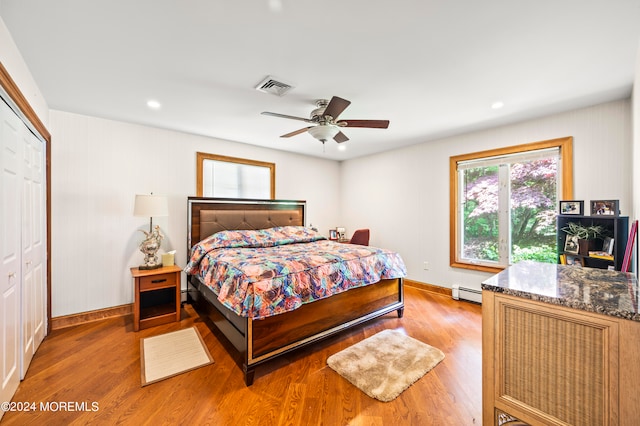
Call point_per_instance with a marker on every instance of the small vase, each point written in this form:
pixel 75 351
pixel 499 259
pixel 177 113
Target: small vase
pixel 584 246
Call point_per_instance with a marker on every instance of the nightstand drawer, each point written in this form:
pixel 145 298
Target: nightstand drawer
pixel 157 281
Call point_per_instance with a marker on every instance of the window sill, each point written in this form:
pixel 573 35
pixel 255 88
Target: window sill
pixel 476 267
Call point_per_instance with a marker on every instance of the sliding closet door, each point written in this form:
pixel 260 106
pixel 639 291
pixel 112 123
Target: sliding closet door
pixel 33 248
pixel 10 251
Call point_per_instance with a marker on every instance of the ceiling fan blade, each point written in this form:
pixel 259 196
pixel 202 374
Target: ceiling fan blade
pixel 340 137
pixel 336 106
pixel 297 132
pixel 374 124
pixel 275 114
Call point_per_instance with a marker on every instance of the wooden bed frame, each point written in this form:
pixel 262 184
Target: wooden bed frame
pixel 262 340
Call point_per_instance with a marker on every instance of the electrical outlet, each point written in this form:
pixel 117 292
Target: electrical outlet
pixel 425 265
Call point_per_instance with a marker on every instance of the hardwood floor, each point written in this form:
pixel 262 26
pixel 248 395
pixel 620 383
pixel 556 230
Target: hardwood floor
pixel 99 364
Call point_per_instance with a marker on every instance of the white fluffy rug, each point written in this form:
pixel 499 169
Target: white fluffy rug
pixel 386 364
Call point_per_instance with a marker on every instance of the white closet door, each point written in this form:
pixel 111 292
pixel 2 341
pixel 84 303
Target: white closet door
pixel 10 264
pixel 33 248
pixel 38 241
pixel 28 281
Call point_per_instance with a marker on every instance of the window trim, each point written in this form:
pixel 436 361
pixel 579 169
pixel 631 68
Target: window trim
pixel 201 156
pixel 565 146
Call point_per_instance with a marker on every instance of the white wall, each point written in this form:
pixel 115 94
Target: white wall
pixel 403 195
pixel 98 167
pixel 16 67
pixel 635 119
pixel 635 99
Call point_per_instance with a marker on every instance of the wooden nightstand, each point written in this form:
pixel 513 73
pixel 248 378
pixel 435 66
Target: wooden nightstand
pixel 157 296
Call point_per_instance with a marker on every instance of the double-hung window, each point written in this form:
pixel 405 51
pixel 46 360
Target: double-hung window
pixel 504 204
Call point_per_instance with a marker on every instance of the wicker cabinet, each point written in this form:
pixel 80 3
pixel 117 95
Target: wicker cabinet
pixel 552 365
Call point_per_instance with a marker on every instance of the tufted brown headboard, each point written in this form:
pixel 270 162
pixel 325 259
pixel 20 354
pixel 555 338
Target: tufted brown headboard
pixel 207 216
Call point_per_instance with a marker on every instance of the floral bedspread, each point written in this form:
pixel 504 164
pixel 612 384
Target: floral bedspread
pixel 266 272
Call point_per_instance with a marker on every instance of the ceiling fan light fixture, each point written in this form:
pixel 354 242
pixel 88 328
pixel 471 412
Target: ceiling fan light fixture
pixel 324 132
pixel 326 119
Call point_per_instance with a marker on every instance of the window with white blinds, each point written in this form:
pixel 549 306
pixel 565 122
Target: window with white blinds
pixel 230 177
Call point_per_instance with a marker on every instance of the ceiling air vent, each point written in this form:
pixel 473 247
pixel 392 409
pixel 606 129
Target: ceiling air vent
pixel 273 86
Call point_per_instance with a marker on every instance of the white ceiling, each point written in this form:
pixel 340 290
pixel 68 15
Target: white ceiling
pixel 431 67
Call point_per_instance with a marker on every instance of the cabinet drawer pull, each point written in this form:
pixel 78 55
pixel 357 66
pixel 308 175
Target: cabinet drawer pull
pixel 158 281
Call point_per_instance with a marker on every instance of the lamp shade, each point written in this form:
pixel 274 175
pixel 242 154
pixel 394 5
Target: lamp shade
pixel 324 132
pixel 151 206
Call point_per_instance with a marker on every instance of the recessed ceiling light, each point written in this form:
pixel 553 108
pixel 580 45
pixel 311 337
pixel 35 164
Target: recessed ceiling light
pixel 275 5
pixel 153 104
pixel 497 105
pixel 342 147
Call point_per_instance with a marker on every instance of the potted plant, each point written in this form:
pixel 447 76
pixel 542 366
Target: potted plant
pixel 586 235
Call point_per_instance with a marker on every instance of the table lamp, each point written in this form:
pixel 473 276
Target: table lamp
pixel 150 206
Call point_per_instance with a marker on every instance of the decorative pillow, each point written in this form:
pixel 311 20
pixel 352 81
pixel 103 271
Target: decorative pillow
pixel 262 237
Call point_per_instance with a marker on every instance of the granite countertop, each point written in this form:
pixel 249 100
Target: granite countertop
pixel 588 289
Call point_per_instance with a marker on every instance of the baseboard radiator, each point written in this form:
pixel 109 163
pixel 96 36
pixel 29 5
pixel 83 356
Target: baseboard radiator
pixel 464 293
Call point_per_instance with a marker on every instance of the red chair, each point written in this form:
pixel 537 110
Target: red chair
pixel 361 237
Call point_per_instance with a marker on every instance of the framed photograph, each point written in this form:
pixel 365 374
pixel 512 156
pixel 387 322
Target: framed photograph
pixel 571 244
pixel 575 261
pixel 572 207
pixel 607 245
pixel 333 234
pixel 604 207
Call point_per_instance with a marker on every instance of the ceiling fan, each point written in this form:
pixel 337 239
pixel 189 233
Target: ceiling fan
pixel 326 123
